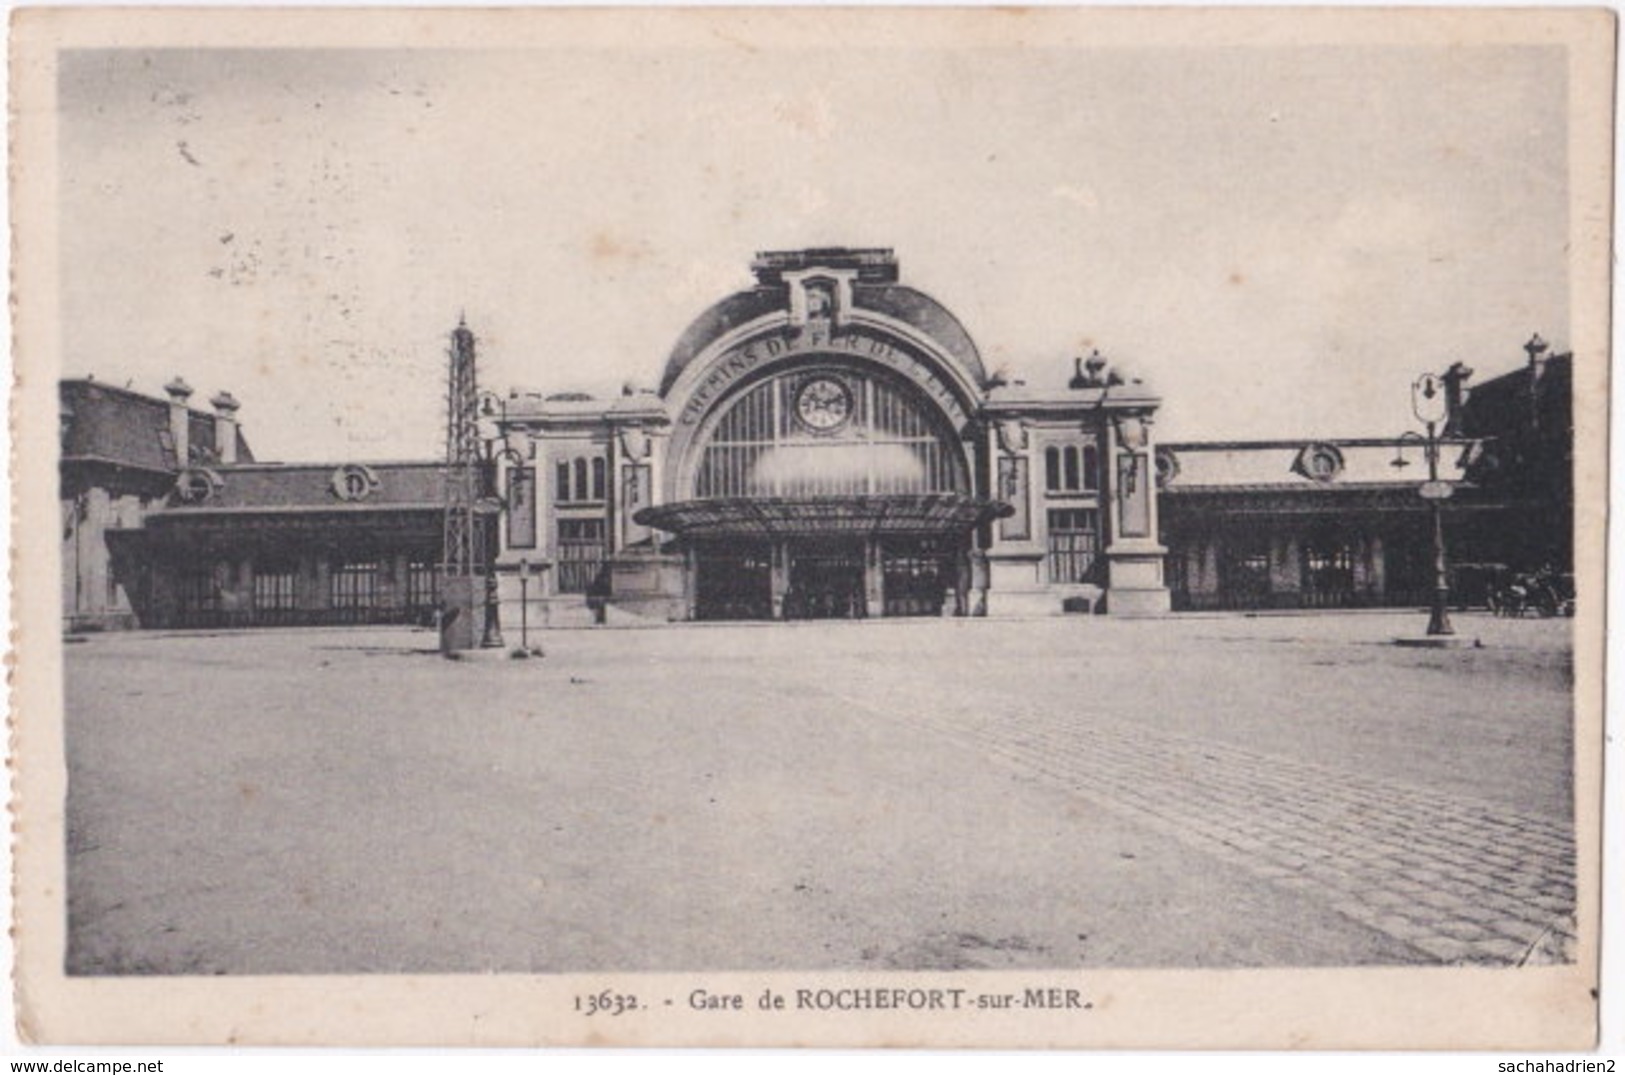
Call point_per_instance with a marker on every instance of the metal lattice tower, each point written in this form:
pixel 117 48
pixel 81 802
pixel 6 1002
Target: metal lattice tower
pixel 462 454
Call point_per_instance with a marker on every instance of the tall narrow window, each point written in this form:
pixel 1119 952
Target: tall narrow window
pixel 353 585
pixel 561 486
pixel 1071 468
pixel 582 488
pixel 274 583
pixel 598 467
pixel 422 587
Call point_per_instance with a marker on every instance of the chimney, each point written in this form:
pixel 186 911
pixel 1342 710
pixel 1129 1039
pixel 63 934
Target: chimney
pixel 180 420
pixel 225 427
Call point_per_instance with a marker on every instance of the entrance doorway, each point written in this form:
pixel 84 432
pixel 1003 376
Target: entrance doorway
pixel 919 573
pixel 826 582
pixel 734 581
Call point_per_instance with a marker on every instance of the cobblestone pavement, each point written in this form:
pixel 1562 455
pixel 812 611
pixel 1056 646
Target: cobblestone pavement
pixel 1220 792
pixel 1460 881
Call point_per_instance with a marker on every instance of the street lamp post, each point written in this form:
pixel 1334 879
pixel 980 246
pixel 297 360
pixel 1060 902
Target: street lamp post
pixel 524 605
pixel 1431 406
pixel 492 433
pixel 492 637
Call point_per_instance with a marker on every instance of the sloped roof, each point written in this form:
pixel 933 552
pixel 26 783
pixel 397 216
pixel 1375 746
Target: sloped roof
pixel 279 487
pixel 896 301
pixel 927 314
pixel 874 288
pixel 1505 405
pixel 735 310
pixel 104 423
pixel 1251 466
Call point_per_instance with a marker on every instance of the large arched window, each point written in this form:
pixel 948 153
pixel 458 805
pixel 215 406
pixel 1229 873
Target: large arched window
pixel 829 431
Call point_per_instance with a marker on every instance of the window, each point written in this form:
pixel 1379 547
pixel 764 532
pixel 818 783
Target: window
pixel 422 585
pixel 1328 566
pixel 1074 543
pixel 274 587
pixel 1245 569
pixel 199 590
pixel 1071 468
pixel 354 584
pixel 581 554
pixel 580 479
pixel 847 434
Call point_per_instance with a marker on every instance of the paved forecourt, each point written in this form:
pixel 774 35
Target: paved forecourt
pixel 1205 791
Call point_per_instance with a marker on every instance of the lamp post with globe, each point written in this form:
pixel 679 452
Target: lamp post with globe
pixel 494 450
pixel 1430 404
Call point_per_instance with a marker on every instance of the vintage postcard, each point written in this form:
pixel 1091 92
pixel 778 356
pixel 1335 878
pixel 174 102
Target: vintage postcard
pixel 810 526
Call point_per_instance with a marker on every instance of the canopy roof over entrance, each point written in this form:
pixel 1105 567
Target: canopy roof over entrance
pixel 854 516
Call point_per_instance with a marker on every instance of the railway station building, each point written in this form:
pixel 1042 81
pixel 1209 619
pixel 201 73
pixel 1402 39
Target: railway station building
pixel 829 444
pixel 824 443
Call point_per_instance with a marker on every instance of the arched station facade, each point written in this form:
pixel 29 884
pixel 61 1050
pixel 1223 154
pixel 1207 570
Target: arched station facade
pixel 825 443
pixel 829 444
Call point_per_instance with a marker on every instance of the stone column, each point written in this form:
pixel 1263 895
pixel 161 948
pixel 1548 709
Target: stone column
pixel 180 425
pixel 225 427
pixel 978 582
pixel 691 583
pixel 1135 584
pixel 779 578
pixel 874 578
pixel 962 577
pixel 1286 573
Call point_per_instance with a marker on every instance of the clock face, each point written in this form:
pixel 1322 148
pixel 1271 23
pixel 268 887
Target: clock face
pixel 823 404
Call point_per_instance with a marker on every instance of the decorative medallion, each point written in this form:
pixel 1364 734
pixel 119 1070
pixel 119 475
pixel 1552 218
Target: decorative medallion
pixel 1319 462
pixel 1012 435
pixel 194 485
pixel 1167 467
pixel 824 404
pixel 353 482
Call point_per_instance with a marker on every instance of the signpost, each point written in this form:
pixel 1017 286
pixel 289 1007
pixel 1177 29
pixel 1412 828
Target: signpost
pixel 1435 490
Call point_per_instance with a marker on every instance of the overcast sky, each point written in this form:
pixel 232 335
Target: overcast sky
pixel 1277 239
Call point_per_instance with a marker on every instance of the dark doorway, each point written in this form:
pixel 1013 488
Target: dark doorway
pixel 826 582
pixel 734 582
pixel 919 573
